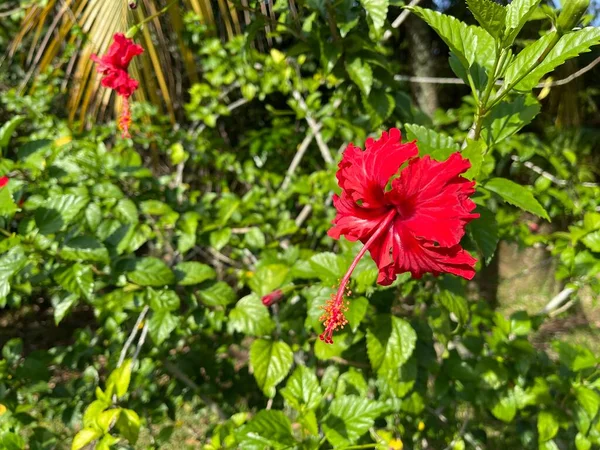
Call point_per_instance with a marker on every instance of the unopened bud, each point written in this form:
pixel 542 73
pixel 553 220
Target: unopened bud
pixel 272 298
pixel 133 4
pixel 132 32
pixel 571 14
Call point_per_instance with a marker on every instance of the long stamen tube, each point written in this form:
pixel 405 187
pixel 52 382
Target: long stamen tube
pixel 333 318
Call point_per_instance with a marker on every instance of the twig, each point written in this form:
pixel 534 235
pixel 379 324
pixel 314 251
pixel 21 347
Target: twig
pixel 460 434
pixel 542 84
pixel 132 335
pixel 303 215
pixel 140 343
pixel 314 127
pixel 400 19
pixel 558 300
pixel 563 308
pixel 297 158
pixel 548 175
pixel 177 373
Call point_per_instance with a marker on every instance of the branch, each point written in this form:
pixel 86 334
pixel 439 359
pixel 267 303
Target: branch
pixel 297 158
pixel 400 19
pixel 140 343
pixel 558 300
pixel 132 335
pixel 314 127
pixel 548 175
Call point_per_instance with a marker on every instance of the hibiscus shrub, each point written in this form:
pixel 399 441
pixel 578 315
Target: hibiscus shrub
pixel 210 285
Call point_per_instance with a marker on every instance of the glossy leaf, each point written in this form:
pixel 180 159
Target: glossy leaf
pixel 516 195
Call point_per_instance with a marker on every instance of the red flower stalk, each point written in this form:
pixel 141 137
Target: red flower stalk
pixel 4 181
pixel 272 298
pixel 414 226
pixel 113 66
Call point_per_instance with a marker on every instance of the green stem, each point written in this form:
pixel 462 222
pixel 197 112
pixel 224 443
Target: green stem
pixel 356 447
pixel 156 14
pixel 506 89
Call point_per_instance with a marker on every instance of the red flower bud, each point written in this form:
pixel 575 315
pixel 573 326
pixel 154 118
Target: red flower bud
pixel 273 297
pixel 3 181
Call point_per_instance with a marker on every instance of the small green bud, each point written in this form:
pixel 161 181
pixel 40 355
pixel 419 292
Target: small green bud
pixel 132 31
pixel 571 14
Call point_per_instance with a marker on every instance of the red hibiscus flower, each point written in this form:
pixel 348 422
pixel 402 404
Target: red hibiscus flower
pixel 113 66
pixel 3 181
pixel 415 225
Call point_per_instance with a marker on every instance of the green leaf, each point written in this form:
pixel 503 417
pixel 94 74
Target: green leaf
pixel 126 211
pixel 505 408
pixel 129 425
pixel 250 317
pixel 506 118
pixel 220 238
pixel 163 300
pixel 547 426
pixel 351 383
pixel 390 342
pixel 255 238
pixel 12 262
pixel 356 311
pixel 328 266
pixel 62 305
pixel 219 294
pixel 151 272
pixel 7 130
pixel 484 232
pixel 341 342
pixel 517 14
pixel 268 429
pixel 470 44
pixel 84 437
pixel 11 441
pixel 121 377
pixel 106 442
pixel 77 279
pixel 455 304
pixel 360 72
pixel 569 46
pixel 592 241
pixel 582 442
pixel 302 389
pixel 516 195
pixel 575 357
pixel 490 15
pixel 107 418
pixel 92 412
pixel 376 10
pixel 267 278
pixel 588 399
pixel 526 58
pixel 84 248
pixel 270 361
pixel 192 272
pixel 161 325
pixel 349 418
pixel 58 212
pixel 439 146
pixel 474 152
pixel 379 105
pixel 8 207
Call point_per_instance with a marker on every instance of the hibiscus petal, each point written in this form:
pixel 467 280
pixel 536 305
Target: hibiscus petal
pixel 432 198
pixel 419 256
pixel 365 174
pixel 353 221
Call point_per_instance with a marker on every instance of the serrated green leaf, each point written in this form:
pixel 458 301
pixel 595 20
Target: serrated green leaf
pixel 351 383
pixel 220 238
pixel 270 361
pixel 455 304
pixel 126 211
pixel 268 429
pixel 328 266
pixel 267 278
pixel 518 13
pixel 302 389
pixel 218 294
pixel 505 408
pixel 547 426
pixel 84 437
pixel 592 241
pixel 390 342
pixel 76 279
pixel 484 232
pixel 8 207
pixel 255 238
pixel 377 11
pixel 474 152
pixel 129 425
pixel 349 418
pixel 588 399
pixel 250 317
pixel 58 212
pixel 439 146
pixel 62 304
pixel 508 117
pixel 360 72
pixel 469 43
pixel 92 412
pixel 192 272
pixel 161 325
pixel 490 15
pixel 516 195
pixel 569 46
pixel 166 300
pixel 84 248
pixel 151 272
